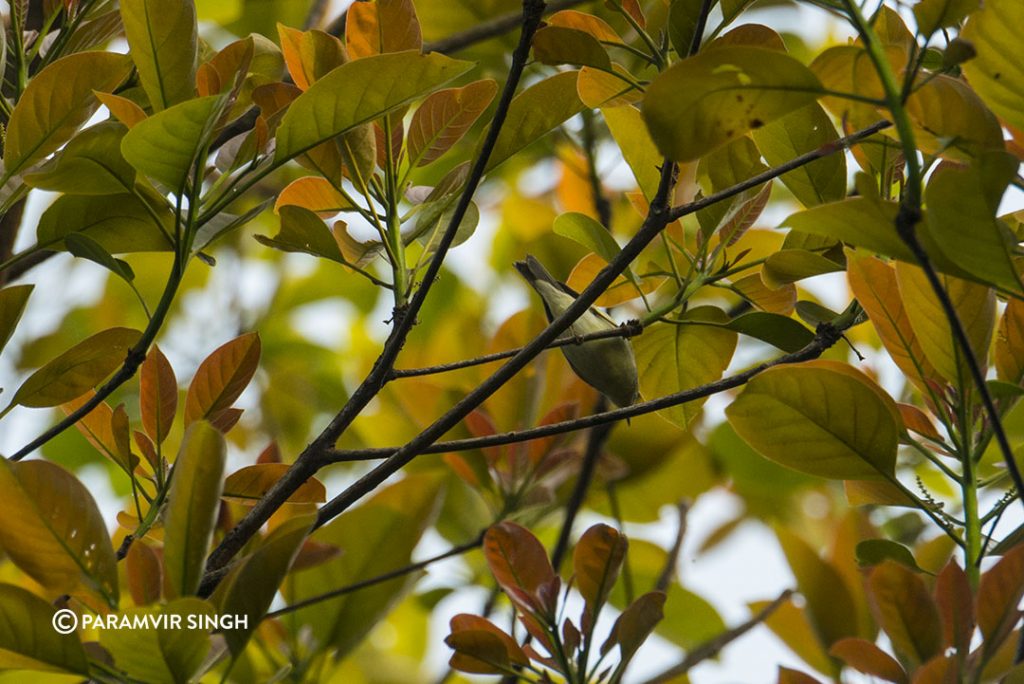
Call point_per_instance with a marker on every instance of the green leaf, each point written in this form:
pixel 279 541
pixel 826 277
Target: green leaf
pixel 192 507
pixel 671 358
pixel 950 119
pixel 119 223
pixel 84 247
pixel 997 71
pixel 779 331
pixel 12 304
pixel 860 221
pixel 28 640
pixel 792 265
pixel 905 610
pixel 535 111
pixel 877 551
pixel 251 586
pixel 165 146
pixel 57 101
pixel 161 655
pixel 962 204
pixel 799 132
pixel 162 37
pixel 53 530
pixel 90 164
pixel 359 92
pixel 303 231
pixel 707 100
pixel 561 45
pixel 77 370
pixel 587 232
pixel 626 125
pixel 634 625
pixel 822 418
pixel 222 377
pixel 932 15
pixel 389 526
pixel 682 24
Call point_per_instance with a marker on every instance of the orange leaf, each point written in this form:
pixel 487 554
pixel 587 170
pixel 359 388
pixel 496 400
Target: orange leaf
pixel 309 54
pixel 382 26
pixel 781 300
pixel 632 8
pixel 621 290
pixel 904 609
pixel 788 676
pixel 144 572
pixel 158 395
pixel 588 23
pixel 864 656
pixel 145 445
pixel 252 482
pixel 273 97
pixel 313 193
pixel 126 111
pixel 444 117
pixel 539 448
pixel 999 594
pixel 222 377
pixel 99 429
pixel 521 567
pixel 917 420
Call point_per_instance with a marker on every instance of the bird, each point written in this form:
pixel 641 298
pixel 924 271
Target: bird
pixel 606 364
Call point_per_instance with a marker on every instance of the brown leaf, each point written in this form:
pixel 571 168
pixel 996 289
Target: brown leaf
pixel 999 593
pixel 904 609
pixel 956 608
pixel 521 567
pixel 479 645
pixel 252 482
pixel 596 561
pixel 158 395
pixel 222 377
pixel 144 572
pixel 446 116
pixel 382 26
pixel 864 656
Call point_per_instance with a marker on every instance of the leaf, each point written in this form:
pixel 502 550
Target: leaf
pixel 932 15
pixel 1009 346
pixel 820 417
pixel 779 331
pixel 383 83
pixel 313 193
pixel 799 132
pixel 57 101
pixel 956 608
pixel 974 304
pixel 682 24
pixel 193 502
pixel 596 562
pixel 962 204
pixel 588 23
pixel 672 358
pixel 561 45
pixel 521 568
pixel 12 304
pixel 222 377
pixel 107 430
pixel 627 127
pixel 949 118
pixel 158 395
pixel 90 164
pixel 310 54
pixel 904 609
pixel 791 625
pixel 303 231
pixel 860 221
pixel 123 109
pixel 792 265
pixel 144 573
pixel 830 606
pixel 481 647
pixel 53 530
pixel 445 117
pixel 790 676
pixel 874 284
pixel 864 656
pixel 587 232
pixel 999 593
pixel 634 625
pixel 372 28
pixel 388 525
pixel 251 586
pixel 162 39
pixel 161 655
pixel 616 88
pixel 252 482
pixel 84 247
pixel 877 551
pixel 165 146
pixel 29 642
pixel 996 72
pixel 707 100
pixel 118 223
pixel 77 370
pixel 534 112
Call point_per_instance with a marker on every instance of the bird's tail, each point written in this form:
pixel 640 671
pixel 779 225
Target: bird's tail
pixel 533 270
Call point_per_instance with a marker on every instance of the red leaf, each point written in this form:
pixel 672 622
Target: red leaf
pixel 158 395
pixel 596 562
pixel 222 377
pixel 521 567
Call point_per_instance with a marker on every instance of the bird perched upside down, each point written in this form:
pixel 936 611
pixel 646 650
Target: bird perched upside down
pixel 607 364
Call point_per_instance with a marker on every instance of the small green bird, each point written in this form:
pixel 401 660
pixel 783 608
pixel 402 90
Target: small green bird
pixel 607 364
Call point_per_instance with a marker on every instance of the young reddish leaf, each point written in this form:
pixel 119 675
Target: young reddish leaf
pixel 225 419
pixel 632 8
pixel 596 561
pixel 635 624
pixel 107 435
pixel 956 607
pixel 193 503
pixel 271 98
pixel 902 606
pixel 271 454
pixel 789 676
pixel 588 23
pixel 54 531
pixel 521 567
pixel 222 377
pixel 539 448
pixel 12 304
pixel 158 395
pixel 382 26
pixel 77 370
pixel 999 594
pixel 28 642
pixel 864 656
pixel 144 572
pixel 446 116
pixel 480 424
pixel 475 652
pixel 162 40
pixel 123 109
pixel 917 420
pixel 252 482
pixel 571 636
pixel 145 445
pixel 1009 347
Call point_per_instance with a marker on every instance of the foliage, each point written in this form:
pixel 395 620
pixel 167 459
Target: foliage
pixel 264 195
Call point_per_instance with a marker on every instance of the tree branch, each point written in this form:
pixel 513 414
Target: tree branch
pixel 309 461
pixel 490 29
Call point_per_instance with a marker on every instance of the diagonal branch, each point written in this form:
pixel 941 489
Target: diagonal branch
pixel 490 29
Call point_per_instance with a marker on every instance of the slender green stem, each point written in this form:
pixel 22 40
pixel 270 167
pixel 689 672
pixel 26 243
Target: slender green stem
pixel 400 274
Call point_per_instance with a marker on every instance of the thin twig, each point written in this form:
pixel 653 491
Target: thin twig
pixel 668 573
pixel 490 29
pixel 711 648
